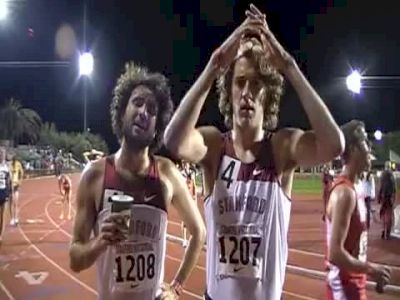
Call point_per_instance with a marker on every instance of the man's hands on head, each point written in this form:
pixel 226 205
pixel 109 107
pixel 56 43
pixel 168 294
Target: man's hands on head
pixel 255 24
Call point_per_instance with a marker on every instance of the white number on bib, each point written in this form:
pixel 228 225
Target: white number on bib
pixel 135 272
pixel 239 256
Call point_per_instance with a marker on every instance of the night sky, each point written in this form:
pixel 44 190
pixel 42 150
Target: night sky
pixel 327 38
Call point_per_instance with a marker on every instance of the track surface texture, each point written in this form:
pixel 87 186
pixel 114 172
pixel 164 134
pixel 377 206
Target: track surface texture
pixel 34 260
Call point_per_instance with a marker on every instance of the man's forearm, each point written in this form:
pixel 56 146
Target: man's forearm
pixel 347 262
pixel 188 112
pixel 190 258
pixel 326 130
pixel 83 255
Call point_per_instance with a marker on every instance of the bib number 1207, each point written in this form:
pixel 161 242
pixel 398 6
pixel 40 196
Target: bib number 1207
pixel 237 250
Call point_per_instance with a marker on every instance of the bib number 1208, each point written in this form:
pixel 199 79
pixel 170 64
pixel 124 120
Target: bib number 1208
pixel 138 268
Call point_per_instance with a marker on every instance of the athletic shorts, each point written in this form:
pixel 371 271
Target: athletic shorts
pixel 4 194
pixel 66 190
pixel 16 188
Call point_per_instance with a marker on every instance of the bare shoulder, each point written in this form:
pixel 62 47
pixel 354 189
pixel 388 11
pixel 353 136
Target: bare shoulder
pixel 343 195
pixel 282 142
pixel 93 173
pixel 164 164
pixel 213 139
pixel 167 168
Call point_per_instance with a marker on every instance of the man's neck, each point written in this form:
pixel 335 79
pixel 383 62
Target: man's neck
pixel 246 137
pixel 349 172
pixel 135 162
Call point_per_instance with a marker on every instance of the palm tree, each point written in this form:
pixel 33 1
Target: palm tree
pixel 18 123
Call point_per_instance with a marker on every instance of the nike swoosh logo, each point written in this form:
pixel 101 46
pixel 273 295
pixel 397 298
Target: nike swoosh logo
pixel 149 198
pixel 257 172
pixel 134 285
pixel 237 269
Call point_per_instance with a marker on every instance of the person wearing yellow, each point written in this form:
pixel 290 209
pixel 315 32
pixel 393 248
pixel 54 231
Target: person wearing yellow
pixel 17 174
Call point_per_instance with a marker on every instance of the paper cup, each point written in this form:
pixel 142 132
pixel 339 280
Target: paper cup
pixel 122 204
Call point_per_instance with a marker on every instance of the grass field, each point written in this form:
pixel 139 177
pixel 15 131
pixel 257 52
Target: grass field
pixel 309 185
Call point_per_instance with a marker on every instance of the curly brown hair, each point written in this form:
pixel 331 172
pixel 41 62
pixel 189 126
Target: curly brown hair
pixel 273 82
pixel 134 76
pixel 353 135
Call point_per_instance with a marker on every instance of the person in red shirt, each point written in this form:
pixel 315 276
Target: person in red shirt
pixel 347 265
pixel 65 186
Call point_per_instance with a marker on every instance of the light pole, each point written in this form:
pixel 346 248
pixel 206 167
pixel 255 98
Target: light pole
pixel 86 63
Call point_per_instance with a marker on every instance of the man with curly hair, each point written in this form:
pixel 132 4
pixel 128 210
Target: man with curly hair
pixel 249 170
pixel 124 199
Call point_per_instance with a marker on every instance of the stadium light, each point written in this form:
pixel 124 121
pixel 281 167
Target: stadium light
pixel 86 63
pixel 378 135
pixel 3 10
pixel 353 82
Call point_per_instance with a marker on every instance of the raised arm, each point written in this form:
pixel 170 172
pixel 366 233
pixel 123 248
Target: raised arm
pixel 325 141
pixel 98 152
pixel 86 156
pixel 188 211
pixel 181 136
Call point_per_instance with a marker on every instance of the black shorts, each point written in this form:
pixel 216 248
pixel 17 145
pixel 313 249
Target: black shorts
pixel 4 195
pixel 16 188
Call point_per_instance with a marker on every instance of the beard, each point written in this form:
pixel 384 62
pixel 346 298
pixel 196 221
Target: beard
pixel 136 141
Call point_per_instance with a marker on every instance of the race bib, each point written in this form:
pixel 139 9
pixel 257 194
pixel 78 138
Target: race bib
pixel 240 256
pixel 362 256
pixel 3 180
pixel 135 267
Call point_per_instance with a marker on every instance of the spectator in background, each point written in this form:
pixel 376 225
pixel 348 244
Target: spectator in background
pixel 58 164
pixel 189 173
pixel 5 187
pixel 17 174
pixel 369 190
pixel 386 198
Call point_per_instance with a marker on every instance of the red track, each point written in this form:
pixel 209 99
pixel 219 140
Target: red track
pixel 42 246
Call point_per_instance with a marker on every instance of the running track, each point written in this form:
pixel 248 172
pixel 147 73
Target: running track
pixel 34 260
